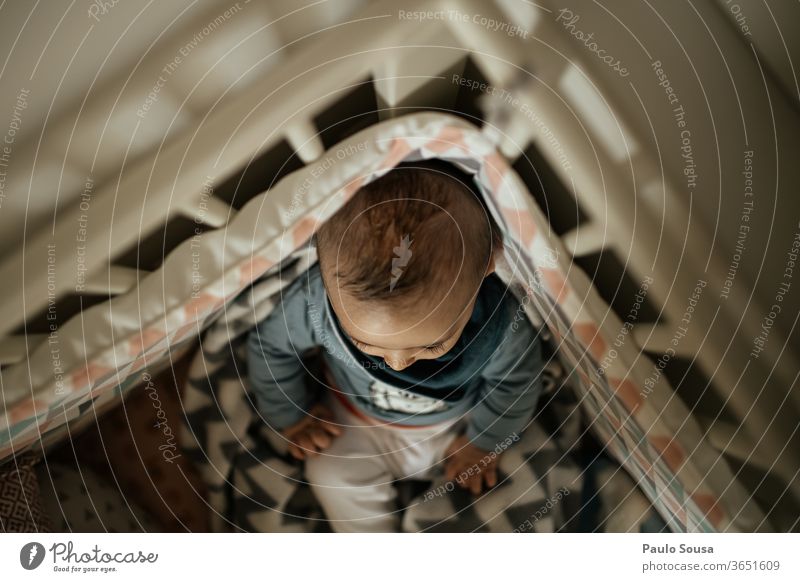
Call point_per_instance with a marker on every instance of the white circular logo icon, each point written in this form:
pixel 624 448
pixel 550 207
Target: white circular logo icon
pixel 31 555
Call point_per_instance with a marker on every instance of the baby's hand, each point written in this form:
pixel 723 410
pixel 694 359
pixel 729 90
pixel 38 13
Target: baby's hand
pixel 470 466
pixel 312 434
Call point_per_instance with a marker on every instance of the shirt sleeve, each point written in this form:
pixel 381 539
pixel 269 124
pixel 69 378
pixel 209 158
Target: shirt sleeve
pixel 276 372
pixel 510 390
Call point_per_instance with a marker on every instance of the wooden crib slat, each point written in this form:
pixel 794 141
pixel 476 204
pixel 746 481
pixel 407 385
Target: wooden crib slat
pixel 305 140
pixel 211 211
pixel 585 239
pixel 113 281
pixel 15 348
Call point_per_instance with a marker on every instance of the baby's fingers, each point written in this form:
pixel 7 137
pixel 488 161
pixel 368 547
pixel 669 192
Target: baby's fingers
pixel 331 428
pixel 320 437
pixel 450 470
pixel 490 476
pixel 305 443
pixel 475 483
pixel 296 452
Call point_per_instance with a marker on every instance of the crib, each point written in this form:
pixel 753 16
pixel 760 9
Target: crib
pixel 153 237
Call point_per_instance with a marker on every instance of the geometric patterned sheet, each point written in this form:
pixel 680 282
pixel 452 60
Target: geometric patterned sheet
pixel 255 488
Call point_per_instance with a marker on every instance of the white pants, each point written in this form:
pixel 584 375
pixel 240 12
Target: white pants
pixel 352 479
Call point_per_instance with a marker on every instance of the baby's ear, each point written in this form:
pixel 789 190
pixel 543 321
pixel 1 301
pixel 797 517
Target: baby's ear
pixel 491 266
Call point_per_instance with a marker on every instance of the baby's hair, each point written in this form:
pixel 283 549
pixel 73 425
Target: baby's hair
pixel 409 234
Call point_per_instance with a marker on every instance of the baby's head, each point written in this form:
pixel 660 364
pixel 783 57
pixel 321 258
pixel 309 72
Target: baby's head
pixel 403 260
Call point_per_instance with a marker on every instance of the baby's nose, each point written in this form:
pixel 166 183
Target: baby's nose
pixel 398 364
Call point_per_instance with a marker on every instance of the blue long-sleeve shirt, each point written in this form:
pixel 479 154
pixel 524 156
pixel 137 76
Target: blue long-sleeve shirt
pixel 492 374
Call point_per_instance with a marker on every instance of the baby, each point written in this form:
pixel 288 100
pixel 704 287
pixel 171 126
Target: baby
pixel 422 365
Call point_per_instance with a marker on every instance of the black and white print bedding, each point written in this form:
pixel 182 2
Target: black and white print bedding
pixel 253 486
